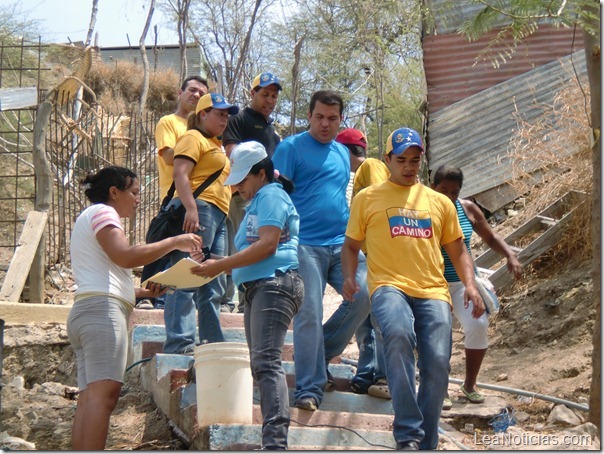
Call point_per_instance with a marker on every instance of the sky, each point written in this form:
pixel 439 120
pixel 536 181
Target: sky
pixel 61 20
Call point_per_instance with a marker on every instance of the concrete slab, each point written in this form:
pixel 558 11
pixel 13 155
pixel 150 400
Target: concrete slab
pixel 24 313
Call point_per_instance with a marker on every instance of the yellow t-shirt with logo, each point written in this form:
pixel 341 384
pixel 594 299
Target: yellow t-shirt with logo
pixel 169 129
pixel 209 156
pixel 404 228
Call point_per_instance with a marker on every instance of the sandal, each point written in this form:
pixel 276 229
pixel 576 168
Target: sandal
pixel 380 389
pixel 475 397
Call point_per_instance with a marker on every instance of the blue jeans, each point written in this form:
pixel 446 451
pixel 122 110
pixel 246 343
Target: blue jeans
pixel 314 344
pixel 407 323
pixel 269 308
pixel 371 347
pixel 179 313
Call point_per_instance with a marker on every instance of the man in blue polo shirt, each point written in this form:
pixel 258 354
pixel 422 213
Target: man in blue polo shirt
pixel 252 123
pixel 320 169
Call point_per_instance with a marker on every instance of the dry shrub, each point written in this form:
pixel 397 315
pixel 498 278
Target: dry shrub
pixel 557 145
pixel 118 87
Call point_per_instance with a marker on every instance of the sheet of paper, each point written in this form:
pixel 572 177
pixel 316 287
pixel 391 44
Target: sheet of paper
pixel 179 276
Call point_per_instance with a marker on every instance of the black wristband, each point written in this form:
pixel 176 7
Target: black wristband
pixel 206 253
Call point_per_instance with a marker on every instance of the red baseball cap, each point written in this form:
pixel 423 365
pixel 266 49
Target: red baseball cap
pixel 351 136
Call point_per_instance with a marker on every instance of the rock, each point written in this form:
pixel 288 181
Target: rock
pixel 521 416
pixel 51 388
pixel 502 377
pixel 18 383
pixel 16 444
pixel 561 415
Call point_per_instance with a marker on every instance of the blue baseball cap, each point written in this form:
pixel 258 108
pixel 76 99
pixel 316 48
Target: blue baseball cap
pixel 216 101
pixel 401 139
pixel 266 79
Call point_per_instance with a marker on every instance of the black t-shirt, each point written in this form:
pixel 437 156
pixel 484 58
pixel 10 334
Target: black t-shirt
pixel 251 125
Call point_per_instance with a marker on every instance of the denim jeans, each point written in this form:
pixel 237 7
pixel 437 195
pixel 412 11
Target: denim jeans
pixel 269 308
pixel 179 313
pixel 370 346
pixel 406 323
pixel 314 344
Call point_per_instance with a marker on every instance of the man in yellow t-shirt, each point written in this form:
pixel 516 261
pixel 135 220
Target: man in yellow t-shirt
pixel 171 127
pixel 404 224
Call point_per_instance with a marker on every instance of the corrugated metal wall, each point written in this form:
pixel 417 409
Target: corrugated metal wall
pixel 160 58
pixel 474 134
pixel 454 73
pixel 471 103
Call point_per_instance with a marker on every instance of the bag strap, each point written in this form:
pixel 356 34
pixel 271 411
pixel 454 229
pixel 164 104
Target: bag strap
pixel 202 187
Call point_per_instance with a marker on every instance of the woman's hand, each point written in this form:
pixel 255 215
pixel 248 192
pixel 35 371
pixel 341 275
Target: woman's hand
pixel 209 268
pixel 153 290
pixel 188 242
pixel 191 221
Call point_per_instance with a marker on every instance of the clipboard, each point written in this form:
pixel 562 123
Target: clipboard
pixel 179 276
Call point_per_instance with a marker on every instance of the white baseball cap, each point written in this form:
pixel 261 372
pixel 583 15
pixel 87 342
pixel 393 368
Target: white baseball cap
pixel 243 157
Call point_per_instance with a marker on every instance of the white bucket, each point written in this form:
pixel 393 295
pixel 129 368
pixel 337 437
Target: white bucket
pixel 225 386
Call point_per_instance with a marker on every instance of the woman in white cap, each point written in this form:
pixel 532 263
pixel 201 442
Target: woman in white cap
pixel 265 268
pixel 198 156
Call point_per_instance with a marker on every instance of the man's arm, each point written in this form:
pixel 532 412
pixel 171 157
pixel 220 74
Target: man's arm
pixel 458 253
pixel 350 263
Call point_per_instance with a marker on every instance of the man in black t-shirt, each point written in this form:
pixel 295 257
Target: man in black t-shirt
pixel 252 123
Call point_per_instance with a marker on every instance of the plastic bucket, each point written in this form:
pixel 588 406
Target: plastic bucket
pixel 224 384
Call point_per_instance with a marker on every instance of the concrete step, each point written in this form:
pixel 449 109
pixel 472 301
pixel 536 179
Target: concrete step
pixel 148 340
pixel 344 421
pixel 246 437
pixel 156 317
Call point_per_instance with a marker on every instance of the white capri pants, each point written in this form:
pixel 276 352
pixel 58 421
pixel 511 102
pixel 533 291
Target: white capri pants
pixel 98 332
pixel 475 329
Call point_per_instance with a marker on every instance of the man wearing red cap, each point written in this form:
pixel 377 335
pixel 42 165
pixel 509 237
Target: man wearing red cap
pixel 404 224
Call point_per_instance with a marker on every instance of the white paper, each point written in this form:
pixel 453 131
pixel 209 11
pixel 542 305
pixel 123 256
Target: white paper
pixel 179 276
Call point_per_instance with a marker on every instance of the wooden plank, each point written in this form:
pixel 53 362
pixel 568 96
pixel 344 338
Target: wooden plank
pixel 19 267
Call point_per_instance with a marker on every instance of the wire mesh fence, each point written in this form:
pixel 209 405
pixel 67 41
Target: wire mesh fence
pixel 79 139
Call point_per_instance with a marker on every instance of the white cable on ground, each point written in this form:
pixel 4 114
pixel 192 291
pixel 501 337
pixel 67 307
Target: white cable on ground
pixel 504 389
pixel 457 443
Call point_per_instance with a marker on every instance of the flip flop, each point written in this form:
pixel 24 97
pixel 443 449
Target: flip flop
pixel 475 397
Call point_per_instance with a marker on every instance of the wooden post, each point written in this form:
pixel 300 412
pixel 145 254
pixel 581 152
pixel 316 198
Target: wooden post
pixel 44 179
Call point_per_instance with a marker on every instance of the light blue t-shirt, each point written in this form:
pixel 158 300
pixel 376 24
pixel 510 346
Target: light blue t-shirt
pixel 271 206
pixel 320 173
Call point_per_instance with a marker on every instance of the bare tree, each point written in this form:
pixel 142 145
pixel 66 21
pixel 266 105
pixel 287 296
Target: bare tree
pixel 145 92
pixel 95 9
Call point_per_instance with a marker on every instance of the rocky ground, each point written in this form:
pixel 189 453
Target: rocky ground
pixel 540 342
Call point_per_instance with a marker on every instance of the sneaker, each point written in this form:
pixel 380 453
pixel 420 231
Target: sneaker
pixel 331 382
pixel 410 445
pixel 225 308
pixel 447 403
pixel 306 403
pixel 380 389
pixel 144 304
pixel 189 351
pixel 356 388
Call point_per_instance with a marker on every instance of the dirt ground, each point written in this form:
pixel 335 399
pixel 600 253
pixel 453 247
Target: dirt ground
pixel 540 342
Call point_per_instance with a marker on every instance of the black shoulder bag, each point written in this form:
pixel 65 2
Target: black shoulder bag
pixel 168 221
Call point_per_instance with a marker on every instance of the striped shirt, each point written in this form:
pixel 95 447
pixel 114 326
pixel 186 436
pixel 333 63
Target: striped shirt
pixel 466 228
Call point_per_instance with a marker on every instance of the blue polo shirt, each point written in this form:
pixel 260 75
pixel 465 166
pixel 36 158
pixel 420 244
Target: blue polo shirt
pixel 320 173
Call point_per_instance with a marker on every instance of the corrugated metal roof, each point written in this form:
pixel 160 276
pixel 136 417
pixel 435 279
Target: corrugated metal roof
pixel 474 133
pixel 453 73
pixel 449 15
